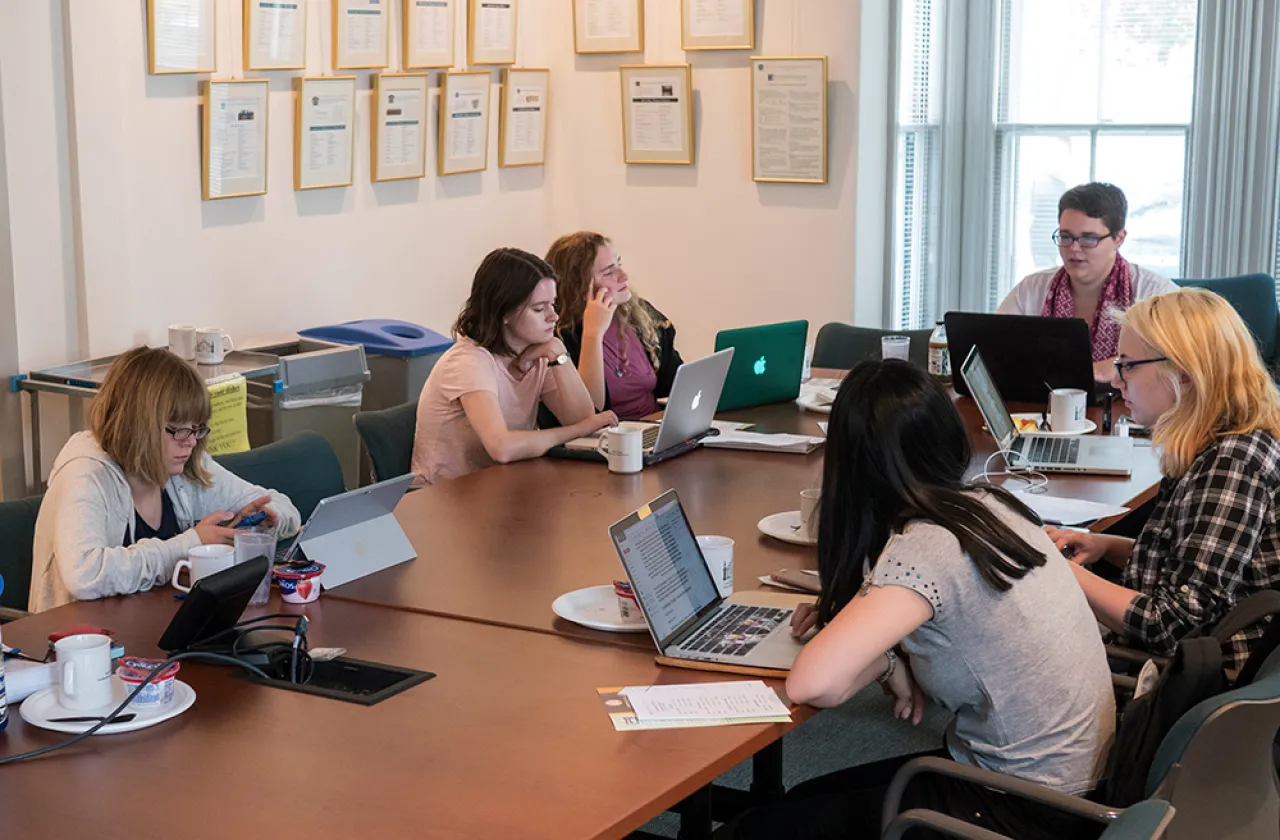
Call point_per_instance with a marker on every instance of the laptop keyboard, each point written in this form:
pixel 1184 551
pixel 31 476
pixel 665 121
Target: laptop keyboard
pixel 1041 450
pixel 738 629
pixel 649 438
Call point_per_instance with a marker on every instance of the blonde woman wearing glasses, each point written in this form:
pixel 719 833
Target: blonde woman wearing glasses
pixel 130 497
pixel 624 348
pixel 1093 279
pixel 1188 367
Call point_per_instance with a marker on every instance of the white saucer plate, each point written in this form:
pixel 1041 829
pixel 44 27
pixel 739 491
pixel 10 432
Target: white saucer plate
pixel 1088 426
pixel 786 527
pixel 43 705
pixel 596 607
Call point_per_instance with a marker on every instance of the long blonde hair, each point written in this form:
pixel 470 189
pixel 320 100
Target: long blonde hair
pixel 1230 391
pixel 573 256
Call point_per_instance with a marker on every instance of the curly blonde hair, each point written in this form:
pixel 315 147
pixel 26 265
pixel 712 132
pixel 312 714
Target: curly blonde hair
pixel 573 257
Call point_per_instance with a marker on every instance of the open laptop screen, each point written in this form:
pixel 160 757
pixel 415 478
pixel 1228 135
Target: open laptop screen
pixel 665 565
pixel 987 397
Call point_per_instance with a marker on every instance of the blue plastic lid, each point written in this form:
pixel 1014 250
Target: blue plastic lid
pixel 383 337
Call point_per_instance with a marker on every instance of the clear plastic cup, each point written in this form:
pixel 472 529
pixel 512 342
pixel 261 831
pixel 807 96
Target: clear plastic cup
pixel 895 347
pixel 251 544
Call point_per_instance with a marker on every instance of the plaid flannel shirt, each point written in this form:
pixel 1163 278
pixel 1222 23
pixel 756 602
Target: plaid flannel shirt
pixel 1212 541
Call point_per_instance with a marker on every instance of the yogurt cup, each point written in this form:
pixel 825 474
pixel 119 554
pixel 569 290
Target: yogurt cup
pixel 299 585
pixel 133 671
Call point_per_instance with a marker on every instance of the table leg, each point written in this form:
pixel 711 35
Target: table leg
pixel 695 815
pixel 766 773
pixel 37 469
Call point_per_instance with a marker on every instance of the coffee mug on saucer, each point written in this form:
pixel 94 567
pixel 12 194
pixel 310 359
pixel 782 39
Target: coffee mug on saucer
pixel 623 445
pixel 202 561
pixel 182 341
pixel 1067 409
pixel 85 665
pixel 212 345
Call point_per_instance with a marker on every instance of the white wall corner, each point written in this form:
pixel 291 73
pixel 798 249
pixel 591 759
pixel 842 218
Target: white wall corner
pixel 874 160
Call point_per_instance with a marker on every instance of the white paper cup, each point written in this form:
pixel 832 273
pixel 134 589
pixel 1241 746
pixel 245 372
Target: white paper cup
pixel 810 498
pixel 895 347
pixel 718 552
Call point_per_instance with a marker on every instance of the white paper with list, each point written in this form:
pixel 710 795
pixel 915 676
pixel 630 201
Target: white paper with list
pixel 706 701
pixel 1056 510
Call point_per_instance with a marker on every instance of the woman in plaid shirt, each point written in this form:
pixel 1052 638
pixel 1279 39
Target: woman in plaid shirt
pixel 1188 367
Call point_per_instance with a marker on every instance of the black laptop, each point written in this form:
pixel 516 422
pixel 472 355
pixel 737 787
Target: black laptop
pixel 1027 355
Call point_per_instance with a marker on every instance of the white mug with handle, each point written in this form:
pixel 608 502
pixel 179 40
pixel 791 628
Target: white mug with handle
pixel 202 561
pixel 623 445
pixel 212 345
pixel 182 341
pixel 1067 409
pixel 85 679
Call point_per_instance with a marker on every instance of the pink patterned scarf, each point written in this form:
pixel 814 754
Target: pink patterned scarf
pixel 1117 293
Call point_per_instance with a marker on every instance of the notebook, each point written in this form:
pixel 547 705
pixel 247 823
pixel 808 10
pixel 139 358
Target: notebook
pixel 766 366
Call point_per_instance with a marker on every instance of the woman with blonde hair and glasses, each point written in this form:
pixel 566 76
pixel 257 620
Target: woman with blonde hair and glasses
pixel 624 348
pixel 1188 368
pixel 130 497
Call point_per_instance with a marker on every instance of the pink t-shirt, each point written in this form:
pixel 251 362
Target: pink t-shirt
pixel 444 444
pixel 630 384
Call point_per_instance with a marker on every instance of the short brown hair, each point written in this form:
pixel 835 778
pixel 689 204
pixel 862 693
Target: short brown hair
pixel 145 390
pixel 503 283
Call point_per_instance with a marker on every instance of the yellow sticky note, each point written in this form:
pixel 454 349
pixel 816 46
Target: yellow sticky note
pixel 229 425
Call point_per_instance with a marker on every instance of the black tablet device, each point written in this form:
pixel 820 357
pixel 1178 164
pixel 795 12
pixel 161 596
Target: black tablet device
pixel 214 605
pixel 1026 354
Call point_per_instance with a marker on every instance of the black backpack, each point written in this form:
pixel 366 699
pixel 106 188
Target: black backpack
pixel 1195 673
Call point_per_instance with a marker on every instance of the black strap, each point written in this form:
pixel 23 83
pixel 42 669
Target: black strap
pixel 1247 613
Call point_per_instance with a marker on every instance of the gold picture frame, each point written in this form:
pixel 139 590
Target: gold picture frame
pixel 650 93
pixel 408 30
pixel 464 95
pixel 230 114
pixel 342 18
pixel 249 27
pixel 489 55
pixel 703 25
pixel 584 43
pixel 526 96
pixel 206 59
pixel 319 123
pixel 389 85
pixel 790 75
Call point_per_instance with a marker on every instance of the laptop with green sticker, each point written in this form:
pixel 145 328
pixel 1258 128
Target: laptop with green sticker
pixel 767 361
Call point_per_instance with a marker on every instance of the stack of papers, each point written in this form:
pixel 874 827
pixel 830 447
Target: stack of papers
pixel 802 580
pixel 1056 510
pixel 694 704
pixel 760 442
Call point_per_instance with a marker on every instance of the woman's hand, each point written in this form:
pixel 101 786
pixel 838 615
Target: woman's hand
pixel 1104 370
pixel 549 350
pixel 908 699
pixel 258 504
pixel 595 423
pixel 598 314
pixel 212 532
pixel 1078 547
pixel 803 619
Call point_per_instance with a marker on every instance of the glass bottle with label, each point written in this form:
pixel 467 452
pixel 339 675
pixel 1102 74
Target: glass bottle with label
pixel 939 354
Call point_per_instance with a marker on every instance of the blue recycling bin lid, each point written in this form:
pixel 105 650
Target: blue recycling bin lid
pixel 383 337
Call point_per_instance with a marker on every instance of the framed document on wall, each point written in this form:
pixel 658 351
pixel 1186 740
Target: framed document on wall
pixel 181 37
pixel 275 34
pixel 522 122
pixel 360 30
pixel 718 24
pixel 657 113
pixel 789 119
pixel 608 26
pixel 233 159
pixel 427 28
pixel 491 33
pixel 463 145
pixel 324 131
pixel 399 147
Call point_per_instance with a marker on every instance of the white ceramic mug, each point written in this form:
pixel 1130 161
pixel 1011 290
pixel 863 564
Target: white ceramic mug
pixel 182 341
pixel 624 447
pixel 718 552
pixel 1066 409
pixel 212 345
pixel 85 679
pixel 202 561
pixel 810 498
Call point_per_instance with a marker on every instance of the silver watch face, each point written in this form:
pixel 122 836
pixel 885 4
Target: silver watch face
pixel 562 359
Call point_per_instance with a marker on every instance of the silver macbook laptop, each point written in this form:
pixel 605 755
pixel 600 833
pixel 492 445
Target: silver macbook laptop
pixel 690 408
pixel 355 534
pixel 687 617
pixel 1095 454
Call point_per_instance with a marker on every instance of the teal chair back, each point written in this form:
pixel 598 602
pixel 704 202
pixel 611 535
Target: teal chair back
pixel 1146 820
pixel 304 467
pixel 842 346
pixel 388 438
pixel 1254 298
pixel 17 534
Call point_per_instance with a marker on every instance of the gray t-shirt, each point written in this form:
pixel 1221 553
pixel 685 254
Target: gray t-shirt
pixel 1023 671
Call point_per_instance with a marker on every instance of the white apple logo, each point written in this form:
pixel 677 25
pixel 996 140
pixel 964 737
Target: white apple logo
pixel 697 398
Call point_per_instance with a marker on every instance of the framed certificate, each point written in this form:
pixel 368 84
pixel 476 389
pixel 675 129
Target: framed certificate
pixel 657 113
pixel 233 135
pixel 718 24
pixel 491 33
pixel 789 119
pixel 275 34
pixel 522 123
pixel 608 26
pixel 463 145
pixel 399 147
pixel 323 131
pixel 360 30
pixel 181 37
pixel 427 28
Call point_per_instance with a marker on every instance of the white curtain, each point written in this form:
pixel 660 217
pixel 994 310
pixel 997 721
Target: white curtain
pixel 1229 226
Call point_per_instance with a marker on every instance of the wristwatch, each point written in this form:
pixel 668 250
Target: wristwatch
pixel 562 359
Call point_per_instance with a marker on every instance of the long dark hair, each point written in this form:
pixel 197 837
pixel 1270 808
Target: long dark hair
pixel 503 282
pixel 897 450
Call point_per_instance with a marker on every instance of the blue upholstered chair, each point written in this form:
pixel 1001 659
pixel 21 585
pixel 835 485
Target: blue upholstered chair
pixel 304 467
pixel 1254 297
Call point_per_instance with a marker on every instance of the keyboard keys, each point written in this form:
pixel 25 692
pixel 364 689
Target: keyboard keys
pixel 736 631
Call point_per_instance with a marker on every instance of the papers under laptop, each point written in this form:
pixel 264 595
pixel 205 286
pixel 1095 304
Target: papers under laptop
pixel 355 533
pixel 687 617
pixel 1095 454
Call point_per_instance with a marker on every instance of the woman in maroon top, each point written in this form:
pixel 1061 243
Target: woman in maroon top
pixel 624 348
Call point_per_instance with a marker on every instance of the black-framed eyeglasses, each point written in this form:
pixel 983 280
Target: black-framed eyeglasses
pixel 181 433
pixel 1088 241
pixel 1130 364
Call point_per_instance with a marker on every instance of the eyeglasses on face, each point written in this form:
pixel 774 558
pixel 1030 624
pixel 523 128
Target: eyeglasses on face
pixel 1088 241
pixel 1123 365
pixel 181 433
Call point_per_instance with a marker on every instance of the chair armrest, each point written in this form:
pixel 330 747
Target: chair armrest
pixel 997 781
pixel 941 823
pixel 1136 656
pixel 10 614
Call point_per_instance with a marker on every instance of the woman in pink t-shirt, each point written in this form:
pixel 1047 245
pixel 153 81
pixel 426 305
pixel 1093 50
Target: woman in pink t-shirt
pixel 479 406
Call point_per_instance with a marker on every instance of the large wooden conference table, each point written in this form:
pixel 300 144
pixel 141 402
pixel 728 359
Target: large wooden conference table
pixel 499 545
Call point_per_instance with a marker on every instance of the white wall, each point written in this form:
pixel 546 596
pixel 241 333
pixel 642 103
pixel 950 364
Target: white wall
pixel 111 241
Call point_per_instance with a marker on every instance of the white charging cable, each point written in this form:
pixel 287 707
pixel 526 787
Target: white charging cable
pixel 1037 482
